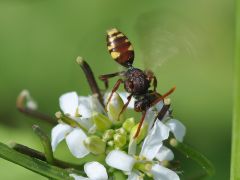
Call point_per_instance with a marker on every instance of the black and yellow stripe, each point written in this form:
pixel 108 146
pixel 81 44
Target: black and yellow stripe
pixel 120 47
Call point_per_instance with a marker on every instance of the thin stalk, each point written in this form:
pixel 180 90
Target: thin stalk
pixel 235 156
pixel 20 103
pixel 33 164
pixel 90 78
pixel 62 164
pixel 46 143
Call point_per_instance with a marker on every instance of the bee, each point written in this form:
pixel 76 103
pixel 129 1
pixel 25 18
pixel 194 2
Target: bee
pixel 136 81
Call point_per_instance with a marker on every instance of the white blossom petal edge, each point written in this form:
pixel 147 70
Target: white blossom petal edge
pixel 94 170
pixel 69 103
pixel 120 160
pixel 75 143
pixel 165 153
pixel 58 134
pixel 162 173
pixel 177 128
pixel 153 140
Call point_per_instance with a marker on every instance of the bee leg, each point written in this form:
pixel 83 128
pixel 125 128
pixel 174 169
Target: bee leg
pixel 115 88
pixel 162 112
pixel 152 78
pixel 140 124
pixel 160 98
pixel 125 105
pixel 105 77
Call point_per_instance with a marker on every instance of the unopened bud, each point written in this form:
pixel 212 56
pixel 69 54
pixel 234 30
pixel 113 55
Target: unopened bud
pixel 141 135
pixel 108 135
pixel 114 108
pixel 121 131
pixel 128 124
pixel 110 143
pixel 95 145
pixel 119 140
pixel 101 121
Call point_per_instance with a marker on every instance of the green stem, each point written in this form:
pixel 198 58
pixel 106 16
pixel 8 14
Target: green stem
pixel 118 175
pixel 33 164
pixel 191 153
pixel 39 155
pixel 235 157
pixel 46 143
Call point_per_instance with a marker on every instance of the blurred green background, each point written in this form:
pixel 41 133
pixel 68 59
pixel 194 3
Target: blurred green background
pixel 187 43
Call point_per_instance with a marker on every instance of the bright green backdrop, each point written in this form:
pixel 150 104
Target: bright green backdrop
pixel 187 43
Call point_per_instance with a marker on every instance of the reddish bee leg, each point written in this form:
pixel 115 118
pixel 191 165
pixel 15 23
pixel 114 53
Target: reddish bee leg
pixel 105 78
pixel 125 105
pixel 115 88
pixel 140 125
pixel 163 96
pixel 152 78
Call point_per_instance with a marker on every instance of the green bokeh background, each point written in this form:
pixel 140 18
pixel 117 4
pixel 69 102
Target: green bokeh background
pixel 187 43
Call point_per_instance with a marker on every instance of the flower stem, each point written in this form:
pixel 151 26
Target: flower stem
pixel 118 175
pixel 33 164
pixel 46 143
pixel 235 156
pixel 90 78
pixel 191 153
pixel 20 103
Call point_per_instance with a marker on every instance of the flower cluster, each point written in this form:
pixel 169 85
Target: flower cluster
pixel 89 128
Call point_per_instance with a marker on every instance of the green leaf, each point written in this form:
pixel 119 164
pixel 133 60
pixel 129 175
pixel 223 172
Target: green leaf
pixel 235 156
pixel 33 164
pixel 193 154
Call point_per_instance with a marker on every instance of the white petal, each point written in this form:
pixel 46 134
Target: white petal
pixel 132 147
pixel 95 171
pixel 165 153
pixel 96 105
pixel 85 122
pixel 120 160
pixel 153 140
pixel 177 128
pixel 84 108
pixel 124 96
pixel 75 143
pixel 69 103
pixel 162 173
pixel 58 134
pixel 77 177
pixel 152 113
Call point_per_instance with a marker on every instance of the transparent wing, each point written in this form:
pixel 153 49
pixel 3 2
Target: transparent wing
pixel 164 36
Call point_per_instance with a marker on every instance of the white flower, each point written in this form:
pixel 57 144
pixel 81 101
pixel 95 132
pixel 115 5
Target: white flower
pixel 73 106
pixel 152 145
pixel 94 170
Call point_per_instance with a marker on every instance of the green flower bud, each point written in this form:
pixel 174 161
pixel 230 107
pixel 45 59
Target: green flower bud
pixel 108 135
pixel 128 124
pixel 101 121
pixel 95 145
pixel 119 140
pixel 114 108
pixel 121 131
pixel 142 134
pixel 110 143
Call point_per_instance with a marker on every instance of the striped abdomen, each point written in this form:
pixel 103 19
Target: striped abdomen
pixel 120 47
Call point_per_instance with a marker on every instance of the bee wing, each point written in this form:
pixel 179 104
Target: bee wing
pixel 163 37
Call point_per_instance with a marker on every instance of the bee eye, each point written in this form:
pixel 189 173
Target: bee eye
pixel 131 86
